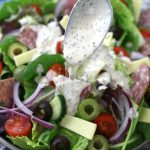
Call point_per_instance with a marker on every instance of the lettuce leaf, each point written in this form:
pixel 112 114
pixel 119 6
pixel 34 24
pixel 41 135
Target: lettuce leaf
pixel 4 45
pixel 5 73
pixel 144 128
pixel 120 66
pixel 42 135
pixel 29 88
pixel 126 21
pixel 81 144
pixel 26 143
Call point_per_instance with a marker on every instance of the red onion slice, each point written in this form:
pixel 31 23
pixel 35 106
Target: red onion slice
pixel 136 55
pixel 14 112
pixel 17 101
pixel 42 122
pixel 121 133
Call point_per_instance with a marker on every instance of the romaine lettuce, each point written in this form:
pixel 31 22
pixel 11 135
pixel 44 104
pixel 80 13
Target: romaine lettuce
pixel 12 7
pixel 120 66
pixel 124 18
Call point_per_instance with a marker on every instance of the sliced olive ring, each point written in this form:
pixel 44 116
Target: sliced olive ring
pixel 43 111
pixel 99 142
pixel 89 109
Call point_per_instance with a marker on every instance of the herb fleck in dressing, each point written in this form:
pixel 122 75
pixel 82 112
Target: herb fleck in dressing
pixel 88 25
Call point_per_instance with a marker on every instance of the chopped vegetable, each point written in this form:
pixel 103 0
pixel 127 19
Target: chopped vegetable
pixel 58 104
pixel 18 126
pixel 59 69
pixel 4 45
pixel 121 51
pixel 16 49
pixel 89 109
pixel 99 142
pixel 46 61
pixel 59 47
pixel 1 67
pixel 36 8
pixel 145 33
pixel 106 125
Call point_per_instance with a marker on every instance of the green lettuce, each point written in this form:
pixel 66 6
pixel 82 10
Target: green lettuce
pixel 4 46
pixel 13 6
pixel 120 66
pixel 29 88
pixel 144 128
pixel 81 144
pixel 26 143
pixel 134 141
pixel 125 19
pixel 5 73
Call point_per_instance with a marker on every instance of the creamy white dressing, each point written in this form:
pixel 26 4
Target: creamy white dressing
pixel 103 59
pixel 86 29
pixel 47 37
pixel 71 89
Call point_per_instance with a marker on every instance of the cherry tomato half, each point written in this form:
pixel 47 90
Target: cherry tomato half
pixel 123 1
pixel 18 126
pixel 59 47
pixel 59 69
pixel 106 125
pixel 36 8
pixel 121 50
pixel 1 67
pixel 145 33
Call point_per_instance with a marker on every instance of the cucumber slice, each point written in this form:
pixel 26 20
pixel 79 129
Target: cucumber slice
pixel 59 108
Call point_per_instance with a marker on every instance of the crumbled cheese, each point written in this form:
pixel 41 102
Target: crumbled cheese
pixel 27 20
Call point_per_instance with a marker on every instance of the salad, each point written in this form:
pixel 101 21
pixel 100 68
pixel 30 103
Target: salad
pixel 46 103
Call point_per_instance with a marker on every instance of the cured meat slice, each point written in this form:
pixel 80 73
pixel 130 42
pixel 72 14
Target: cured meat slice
pixel 6 92
pixel 144 20
pixel 145 49
pixel 28 37
pixel 141 80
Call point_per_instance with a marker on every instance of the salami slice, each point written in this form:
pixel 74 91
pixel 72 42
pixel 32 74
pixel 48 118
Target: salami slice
pixel 141 80
pixel 6 92
pixel 145 49
pixel 144 20
pixel 28 37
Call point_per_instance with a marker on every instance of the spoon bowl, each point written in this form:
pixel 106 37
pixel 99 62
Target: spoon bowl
pixel 88 25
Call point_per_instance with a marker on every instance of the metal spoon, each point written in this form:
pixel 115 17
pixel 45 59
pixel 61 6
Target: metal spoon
pixel 88 25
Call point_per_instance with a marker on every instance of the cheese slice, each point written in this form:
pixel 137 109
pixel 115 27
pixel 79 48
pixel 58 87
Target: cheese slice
pixel 137 4
pixel 64 22
pixel 144 115
pixel 79 126
pixel 24 58
pixel 134 65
